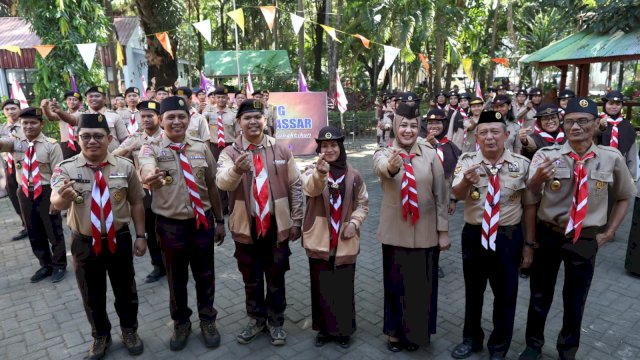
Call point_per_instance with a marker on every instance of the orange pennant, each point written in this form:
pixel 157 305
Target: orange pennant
pixel 163 37
pixel 269 13
pixel 502 61
pixel 364 40
pixel 423 59
pixel 44 50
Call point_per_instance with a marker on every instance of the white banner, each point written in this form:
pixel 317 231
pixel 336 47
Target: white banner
pixel 88 53
pixel 297 22
pixel 204 27
pixel 390 54
pixel 341 97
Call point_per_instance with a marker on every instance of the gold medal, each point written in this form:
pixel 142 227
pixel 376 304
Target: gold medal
pixel 117 195
pixel 600 185
pixel 200 174
pixel 335 186
pixel 18 166
pixel 555 185
pixel 475 194
pixel 168 180
pixel 79 199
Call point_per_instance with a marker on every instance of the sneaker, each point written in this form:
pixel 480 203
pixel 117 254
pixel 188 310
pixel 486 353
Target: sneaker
pixel 132 341
pixel 322 339
pixel 41 274
pixel 58 275
pixel 210 334
pixel 530 354
pixel 155 275
pixel 344 341
pixel 250 331
pixel 180 335
pixel 99 347
pixel 278 335
pixel 21 235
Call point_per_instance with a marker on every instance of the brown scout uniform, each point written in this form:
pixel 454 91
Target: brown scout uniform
pixel 125 116
pixel 198 127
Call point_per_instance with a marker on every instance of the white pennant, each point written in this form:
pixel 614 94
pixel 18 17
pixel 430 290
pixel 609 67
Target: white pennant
pixel 88 53
pixel 297 22
pixel 390 54
pixel 204 27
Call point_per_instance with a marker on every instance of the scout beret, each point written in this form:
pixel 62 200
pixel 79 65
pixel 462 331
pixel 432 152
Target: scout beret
pixel 442 93
pixel 31 113
pixel 329 133
pixel 257 92
pixel 535 91
pixel 93 121
pixel 183 91
pixel 453 93
pixel 476 100
pixel 409 96
pixel 166 89
pixel 491 117
pixel 149 105
pixel 547 109
pixel 219 90
pixel 93 89
pixel 173 103
pixel 502 99
pixel 398 96
pixel 566 94
pixel 241 92
pixel 581 105
pixel 521 92
pixel 501 87
pixel 435 114
pixel 132 90
pixel 464 95
pixel 250 105
pixel 408 110
pixel 8 102
pixel 264 92
pixel 613 96
pixel 201 91
pixel 73 94
pixel 491 89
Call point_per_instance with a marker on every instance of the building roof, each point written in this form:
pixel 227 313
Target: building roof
pixel 125 27
pixel 223 63
pixel 585 47
pixel 15 31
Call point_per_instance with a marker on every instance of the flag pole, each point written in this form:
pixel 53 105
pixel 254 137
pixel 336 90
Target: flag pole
pixel 235 27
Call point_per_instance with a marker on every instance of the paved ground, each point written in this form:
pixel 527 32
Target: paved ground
pixel 46 321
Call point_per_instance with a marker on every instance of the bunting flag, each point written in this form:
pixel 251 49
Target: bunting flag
pixel 423 60
pixel 302 82
pixel 88 53
pixel 16 93
pixel 269 13
pixel 502 61
pixel 238 16
pixel 163 37
pixel 205 83
pixel 296 22
pixel 44 50
pixel 390 54
pixel 204 28
pixel 341 98
pixel 466 66
pixel 119 55
pixel 365 41
pixel 13 49
pixel 72 80
pixel 479 91
pixel 249 85
pixel 144 86
pixel 331 31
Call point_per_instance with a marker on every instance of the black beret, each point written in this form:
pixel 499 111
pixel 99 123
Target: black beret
pixel 250 105
pixel 131 90
pixel 173 103
pixel 166 89
pixel 241 92
pixel 264 92
pixel 256 92
pixel 535 91
pixel 491 117
pixel 93 89
pixel 201 91
pixel 73 94
pixel 31 113
pixel 453 93
pixel 491 89
pixel 409 96
pixel 7 102
pixel 408 110
pixel 464 95
pixel 521 92
pixel 581 105
pixel 329 133
pixel 566 94
pixel 501 99
pixel 501 87
pixel 476 100
pixel 149 105
pixel 435 114
pixel 183 91
pixel 219 90
pixel 93 121
pixel 547 109
pixel 441 93
pixel 613 96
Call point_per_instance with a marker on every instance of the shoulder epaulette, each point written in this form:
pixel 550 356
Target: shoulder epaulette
pixel 124 158
pixel 610 149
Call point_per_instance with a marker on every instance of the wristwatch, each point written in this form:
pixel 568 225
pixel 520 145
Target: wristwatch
pixel 138 236
pixel 531 244
pixel 219 221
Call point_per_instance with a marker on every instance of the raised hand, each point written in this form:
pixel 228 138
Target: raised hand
pixel 242 164
pixel 66 191
pixel 471 174
pixel 321 165
pixel 156 179
pixel 395 162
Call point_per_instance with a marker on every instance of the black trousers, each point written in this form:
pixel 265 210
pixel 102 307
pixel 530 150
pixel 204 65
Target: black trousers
pixel 262 262
pixel 224 196
pixel 155 251
pixel 67 152
pixel 43 229
pixel 500 269
pixel 91 274
pixel 579 263
pixel 12 190
pixel 632 261
pixel 184 245
pixel 333 310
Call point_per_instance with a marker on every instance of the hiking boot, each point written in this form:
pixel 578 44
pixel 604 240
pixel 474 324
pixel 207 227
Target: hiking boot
pixel 41 274
pixel 210 334
pixel 180 335
pixel 99 347
pixel 132 342
pixel 250 331
pixel 278 335
pixel 530 354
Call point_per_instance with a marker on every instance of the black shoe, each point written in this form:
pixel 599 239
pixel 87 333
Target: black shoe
pixel 210 334
pixel 410 346
pixel 322 339
pixel 344 341
pixel 180 336
pixel 530 354
pixel 21 235
pixel 464 350
pixel 58 275
pixel 41 274
pixel 99 347
pixel 157 273
pixel 440 272
pixel 394 346
pixel 497 357
pixel 132 342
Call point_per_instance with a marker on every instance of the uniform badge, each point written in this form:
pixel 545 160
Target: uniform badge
pixel 328 135
pixel 200 174
pixel 79 200
pixel 555 185
pixel 600 185
pixel 18 165
pixel 498 116
pixel 514 197
pixel 335 186
pixel 583 103
pixel 117 195
pixel 180 101
pixel 168 180
pixel 475 194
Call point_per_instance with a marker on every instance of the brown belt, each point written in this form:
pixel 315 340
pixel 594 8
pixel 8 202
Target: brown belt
pixel 586 232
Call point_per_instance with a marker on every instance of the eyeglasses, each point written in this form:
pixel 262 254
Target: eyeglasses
pixel 580 122
pixel 88 137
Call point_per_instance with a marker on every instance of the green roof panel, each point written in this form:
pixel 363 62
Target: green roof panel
pixel 259 62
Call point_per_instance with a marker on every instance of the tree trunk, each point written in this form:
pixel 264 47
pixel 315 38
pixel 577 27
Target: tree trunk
pixel 300 12
pixel 200 62
pixel 620 75
pixel 512 31
pixel 492 46
pixel 333 65
pixel 223 26
pixel 111 44
pixel 447 81
pixel 331 71
pixel 317 47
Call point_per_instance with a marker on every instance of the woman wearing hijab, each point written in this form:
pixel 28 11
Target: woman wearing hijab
pixel 337 204
pixel 546 131
pixel 413 228
pixel 457 130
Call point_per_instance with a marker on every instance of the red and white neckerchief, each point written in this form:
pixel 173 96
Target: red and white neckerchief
pixel 409 190
pixel 220 130
pixel 561 113
pixel 31 171
pixel 194 194
pixel 614 129
pixel 101 209
pixel 335 208
pixel 260 192
pixel 10 155
pixel 548 137
pixel 439 151
pixel 71 144
pixel 442 107
pixel 491 215
pixel 132 126
pixel 580 195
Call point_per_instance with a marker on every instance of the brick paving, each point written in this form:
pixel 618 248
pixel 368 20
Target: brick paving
pixel 47 321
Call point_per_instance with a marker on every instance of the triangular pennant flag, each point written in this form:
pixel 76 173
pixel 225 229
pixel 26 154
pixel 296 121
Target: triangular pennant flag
pixel 119 55
pixel 249 85
pixel 341 97
pixel 423 60
pixel 466 66
pixel 302 82
pixel 18 94
pixel 364 40
pixel 13 49
pixel 163 37
pixel 331 31
pixel 390 54
pixel 88 53
pixel 144 86
pixel 269 13
pixel 44 50
pixel 204 27
pixel 297 22
pixel 238 16
pixel 381 75
pixel 72 79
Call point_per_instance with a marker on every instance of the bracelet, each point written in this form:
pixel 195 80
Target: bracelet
pixel 221 221
pixel 531 244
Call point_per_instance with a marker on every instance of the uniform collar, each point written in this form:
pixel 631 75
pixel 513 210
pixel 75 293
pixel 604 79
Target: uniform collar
pixel 39 138
pixel 101 111
pixel 225 110
pixel 154 135
pixel 566 149
pixel 415 148
pixel 110 158
pixel 266 142
pixel 166 141
pixel 507 156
